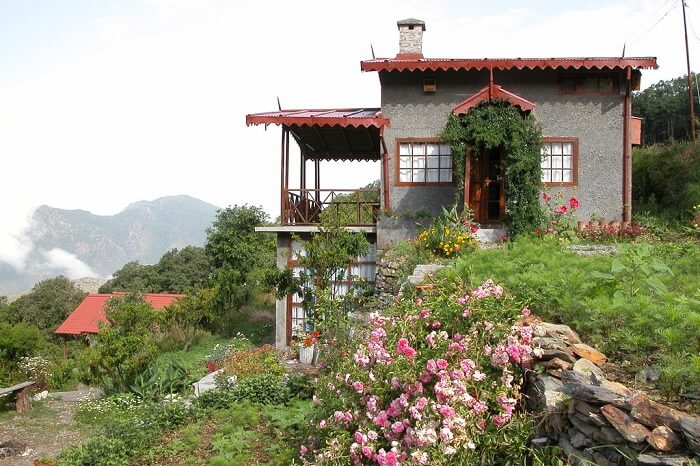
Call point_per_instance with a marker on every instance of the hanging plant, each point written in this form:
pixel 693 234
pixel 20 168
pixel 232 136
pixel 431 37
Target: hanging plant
pixel 498 124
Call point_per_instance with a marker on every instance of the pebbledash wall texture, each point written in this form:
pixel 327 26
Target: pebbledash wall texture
pixel 596 120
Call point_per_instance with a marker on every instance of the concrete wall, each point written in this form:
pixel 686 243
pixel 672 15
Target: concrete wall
pixel 597 121
pixel 283 251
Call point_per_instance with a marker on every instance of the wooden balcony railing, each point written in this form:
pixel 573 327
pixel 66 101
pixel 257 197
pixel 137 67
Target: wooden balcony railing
pixel 356 207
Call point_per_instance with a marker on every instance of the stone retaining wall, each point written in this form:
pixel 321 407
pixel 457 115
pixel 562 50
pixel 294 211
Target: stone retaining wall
pixel 595 420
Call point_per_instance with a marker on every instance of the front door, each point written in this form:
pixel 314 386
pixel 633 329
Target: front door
pixel 486 190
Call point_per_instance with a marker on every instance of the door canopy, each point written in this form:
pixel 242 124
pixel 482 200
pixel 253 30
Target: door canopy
pixel 493 92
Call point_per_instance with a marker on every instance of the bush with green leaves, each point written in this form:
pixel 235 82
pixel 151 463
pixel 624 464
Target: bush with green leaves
pixel 263 389
pixel 636 311
pixel 125 348
pixel 127 429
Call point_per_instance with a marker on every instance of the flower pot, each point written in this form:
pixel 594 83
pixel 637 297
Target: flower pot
pixel 583 224
pixel 594 224
pixel 306 354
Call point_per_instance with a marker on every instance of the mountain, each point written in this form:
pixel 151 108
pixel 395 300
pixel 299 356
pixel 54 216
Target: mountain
pixel 77 243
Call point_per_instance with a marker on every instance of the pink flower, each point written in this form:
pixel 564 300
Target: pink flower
pixel 372 435
pixel 446 435
pixel 402 347
pixel 431 366
pixel 437 324
pixel 500 420
pixel 360 438
pixel 303 450
pixel 467 313
pixel 480 407
pixel 573 202
pixel 358 386
pixel 367 451
pixel 397 427
pixel 442 364
pixel 546 197
pixel 424 313
pixel 526 312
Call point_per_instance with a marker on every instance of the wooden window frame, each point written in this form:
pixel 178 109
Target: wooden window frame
pixel 397 164
pixel 582 76
pixel 574 161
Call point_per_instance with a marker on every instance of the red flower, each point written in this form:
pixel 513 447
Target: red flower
pixel 538 231
pixel 474 228
pixel 546 197
pixel 573 202
pixel 561 210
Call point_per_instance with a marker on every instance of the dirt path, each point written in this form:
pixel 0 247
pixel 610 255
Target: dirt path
pixel 47 430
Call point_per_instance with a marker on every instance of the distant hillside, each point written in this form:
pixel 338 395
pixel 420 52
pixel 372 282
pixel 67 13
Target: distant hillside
pixel 79 243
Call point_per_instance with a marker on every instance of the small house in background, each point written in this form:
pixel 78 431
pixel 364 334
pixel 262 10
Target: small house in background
pixel 92 311
pixel 582 105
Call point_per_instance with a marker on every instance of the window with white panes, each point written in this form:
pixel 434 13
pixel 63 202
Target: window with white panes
pixel 559 161
pixel 422 162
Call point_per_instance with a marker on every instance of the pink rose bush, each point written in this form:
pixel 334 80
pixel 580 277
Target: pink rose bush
pixel 417 393
pixel 559 215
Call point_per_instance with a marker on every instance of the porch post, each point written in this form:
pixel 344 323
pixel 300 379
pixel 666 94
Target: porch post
pixel 627 152
pixel 283 194
pixel 317 179
pixel 467 178
pixel 386 159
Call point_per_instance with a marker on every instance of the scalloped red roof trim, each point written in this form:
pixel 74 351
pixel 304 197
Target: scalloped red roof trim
pixel 445 64
pixel 320 117
pixel 493 92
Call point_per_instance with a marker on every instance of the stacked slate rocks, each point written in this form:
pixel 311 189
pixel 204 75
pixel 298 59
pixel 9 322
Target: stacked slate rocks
pixel 595 420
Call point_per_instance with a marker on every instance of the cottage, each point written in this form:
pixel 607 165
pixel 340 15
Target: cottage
pixel 582 105
pixel 85 319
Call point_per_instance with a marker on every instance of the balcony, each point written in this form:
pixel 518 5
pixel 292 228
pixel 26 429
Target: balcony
pixel 352 207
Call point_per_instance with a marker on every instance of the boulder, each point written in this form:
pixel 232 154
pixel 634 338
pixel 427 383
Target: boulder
pixel 608 436
pixel 586 367
pixel 545 329
pixel 653 414
pixel 595 394
pixel 649 459
pixel 632 431
pixel 578 439
pixel 691 430
pixel 664 439
pixel 556 364
pixel 581 423
pixel 559 354
pixel 588 352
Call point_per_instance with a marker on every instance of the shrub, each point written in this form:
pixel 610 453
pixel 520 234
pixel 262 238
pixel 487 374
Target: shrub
pixel 450 234
pixel 559 216
pixel 250 361
pixel 435 382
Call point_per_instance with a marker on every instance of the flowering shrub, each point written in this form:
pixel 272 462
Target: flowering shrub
pixel 253 361
pixel 436 381
pixel 607 232
pixel 37 369
pixel 559 215
pixel 221 352
pixel 450 234
pixel 115 406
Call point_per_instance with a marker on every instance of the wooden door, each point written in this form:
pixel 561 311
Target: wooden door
pixel 486 189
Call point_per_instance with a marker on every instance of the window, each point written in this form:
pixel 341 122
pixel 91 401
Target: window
pixel 602 84
pixel 424 162
pixel 559 161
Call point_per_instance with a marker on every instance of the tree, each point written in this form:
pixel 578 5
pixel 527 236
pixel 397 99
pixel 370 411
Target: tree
pixel 241 259
pixel 124 348
pixel 189 314
pixel 48 304
pixel 664 107
pixel 177 271
pixel 17 341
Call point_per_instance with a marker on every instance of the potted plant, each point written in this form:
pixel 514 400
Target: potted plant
pixel 583 224
pixel 307 346
pixel 45 461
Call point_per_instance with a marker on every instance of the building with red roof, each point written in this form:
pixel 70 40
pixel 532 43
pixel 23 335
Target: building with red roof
pixel 92 311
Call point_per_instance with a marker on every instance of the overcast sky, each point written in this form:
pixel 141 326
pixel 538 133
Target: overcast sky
pixel 103 103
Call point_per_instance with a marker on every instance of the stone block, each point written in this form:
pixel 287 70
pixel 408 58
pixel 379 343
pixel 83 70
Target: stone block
pixel 664 439
pixel 588 352
pixel 691 430
pixel 586 367
pixel 648 459
pixel 632 431
pixel 653 414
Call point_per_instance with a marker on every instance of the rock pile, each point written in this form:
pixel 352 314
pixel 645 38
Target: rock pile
pixel 386 280
pixel 595 420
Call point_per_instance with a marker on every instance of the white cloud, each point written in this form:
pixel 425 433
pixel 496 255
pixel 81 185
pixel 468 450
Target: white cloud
pixel 67 264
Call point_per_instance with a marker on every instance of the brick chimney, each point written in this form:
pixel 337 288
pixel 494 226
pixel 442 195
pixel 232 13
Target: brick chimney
pixel 410 38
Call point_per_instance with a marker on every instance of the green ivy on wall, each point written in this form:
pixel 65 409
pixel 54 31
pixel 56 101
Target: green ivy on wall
pixel 498 124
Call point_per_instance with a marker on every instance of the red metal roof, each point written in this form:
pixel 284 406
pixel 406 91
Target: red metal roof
pixel 320 117
pixel 85 318
pixel 493 91
pixel 444 64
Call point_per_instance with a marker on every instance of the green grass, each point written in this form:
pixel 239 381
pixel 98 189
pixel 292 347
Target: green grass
pixel 195 357
pixel 644 325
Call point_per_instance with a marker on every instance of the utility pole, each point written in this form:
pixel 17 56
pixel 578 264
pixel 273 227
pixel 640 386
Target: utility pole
pixel 690 79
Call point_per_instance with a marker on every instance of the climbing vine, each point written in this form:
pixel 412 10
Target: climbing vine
pixel 495 124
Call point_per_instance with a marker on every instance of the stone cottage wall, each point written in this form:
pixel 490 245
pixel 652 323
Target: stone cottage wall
pixel 595 420
pixel 596 121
